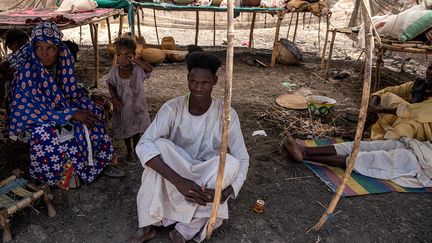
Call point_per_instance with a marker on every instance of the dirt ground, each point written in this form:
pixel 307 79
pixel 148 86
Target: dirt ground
pixel 105 211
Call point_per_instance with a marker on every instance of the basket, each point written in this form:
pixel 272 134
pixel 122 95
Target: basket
pixel 168 43
pixel 176 55
pixel 153 55
pixel 287 52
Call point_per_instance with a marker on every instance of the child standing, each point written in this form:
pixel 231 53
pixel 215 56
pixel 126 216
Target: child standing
pixel 126 85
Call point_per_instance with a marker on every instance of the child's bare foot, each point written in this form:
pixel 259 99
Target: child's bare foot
pixel 176 237
pixel 143 234
pixel 294 150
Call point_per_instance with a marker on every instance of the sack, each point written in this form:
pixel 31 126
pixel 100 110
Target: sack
pixel 77 6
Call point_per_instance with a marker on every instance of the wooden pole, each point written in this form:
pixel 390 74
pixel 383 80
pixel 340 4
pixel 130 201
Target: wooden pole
pixel 295 28
pixel 196 28
pixel 289 26
pixel 326 74
pixel 94 35
pixel 360 124
pixel 214 28
pixel 323 57
pixel 155 24
pixel 276 39
pixel 120 25
pixel 319 32
pixel 226 116
pixel 251 32
pixel 138 24
pixel 109 30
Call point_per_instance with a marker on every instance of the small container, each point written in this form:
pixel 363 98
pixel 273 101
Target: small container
pixel 259 206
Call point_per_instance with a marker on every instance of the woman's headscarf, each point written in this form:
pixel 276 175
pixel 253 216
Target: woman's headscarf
pixel 39 97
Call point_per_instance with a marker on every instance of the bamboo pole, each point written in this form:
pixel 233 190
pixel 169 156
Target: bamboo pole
pixel 360 124
pixel 196 27
pixel 226 116
pixel 251 32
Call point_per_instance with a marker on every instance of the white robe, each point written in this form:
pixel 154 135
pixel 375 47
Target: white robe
pixel 407 162
pixel 189 145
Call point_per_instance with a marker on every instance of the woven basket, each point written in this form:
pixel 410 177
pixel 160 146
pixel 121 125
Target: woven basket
pixel 168 43
pixel 287 52
pixel 153 55
pixel 176 55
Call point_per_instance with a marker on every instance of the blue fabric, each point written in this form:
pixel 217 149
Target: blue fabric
pixel 43 102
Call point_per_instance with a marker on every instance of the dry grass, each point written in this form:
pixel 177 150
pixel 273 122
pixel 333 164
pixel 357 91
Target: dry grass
pixel 300 123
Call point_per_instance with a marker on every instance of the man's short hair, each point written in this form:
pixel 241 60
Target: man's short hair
pixel 204 60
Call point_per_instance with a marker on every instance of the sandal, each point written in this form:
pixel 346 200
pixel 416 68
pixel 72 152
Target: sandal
pixel 111 171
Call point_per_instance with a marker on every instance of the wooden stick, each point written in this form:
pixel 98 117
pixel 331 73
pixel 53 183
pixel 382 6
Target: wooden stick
pixel 196 28
pixel 214 28
pixel 120 25
pixel 251 32
pixel 360 125
pixel 4 223
pixel 138 24
pixel 319 32
pixel 304 20
pixel 276 39
pixel 80 42
pixel 155 24
pixel 109 30
pixel 94 33
pixel 226 116
pixel 326 74
pixel 295 28
pixel 323 57
pixel 289 26
pixel 379 62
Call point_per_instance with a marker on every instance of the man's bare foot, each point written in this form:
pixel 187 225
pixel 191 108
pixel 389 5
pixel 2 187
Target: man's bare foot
pixel 143 234
pixel 176 237
pixel 294 150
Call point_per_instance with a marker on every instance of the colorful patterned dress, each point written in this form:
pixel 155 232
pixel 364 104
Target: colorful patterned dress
pixel 43 104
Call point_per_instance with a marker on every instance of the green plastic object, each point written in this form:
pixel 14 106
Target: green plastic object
pixel 119 4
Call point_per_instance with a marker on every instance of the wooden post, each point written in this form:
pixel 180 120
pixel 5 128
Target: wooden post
pixel 155 24
pixel 80 42
pixel 48 199
pixel 295 28
pixel 4 222
pixel 325 44
pixel 379 63
pixel 276 39
pixel 109 30
pixel 319 32
pixel 138 24
pixel 94 35
pixel 120 25
pixel 251 32
pixel 326 74
pixel 289 26
pixel 226 116
pixel 214 28
pixel 196 28
pixel 360 124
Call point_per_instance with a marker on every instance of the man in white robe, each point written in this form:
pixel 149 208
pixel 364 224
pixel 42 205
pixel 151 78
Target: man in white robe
pixel 180 154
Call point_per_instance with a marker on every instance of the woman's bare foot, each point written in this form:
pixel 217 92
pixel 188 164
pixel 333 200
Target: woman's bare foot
pixel 294 150
pixel 143 234
pixel 176 237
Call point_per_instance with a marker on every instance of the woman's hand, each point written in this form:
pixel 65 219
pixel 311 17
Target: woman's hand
pixel 86 117
pixel 117 104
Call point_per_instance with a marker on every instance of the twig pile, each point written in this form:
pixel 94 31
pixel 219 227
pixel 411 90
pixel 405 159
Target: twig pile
pixel 301 124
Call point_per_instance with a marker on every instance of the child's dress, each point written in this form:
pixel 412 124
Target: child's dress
pixel 133 118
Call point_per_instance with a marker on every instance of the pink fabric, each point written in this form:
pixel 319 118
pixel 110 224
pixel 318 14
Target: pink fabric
pixel 134 117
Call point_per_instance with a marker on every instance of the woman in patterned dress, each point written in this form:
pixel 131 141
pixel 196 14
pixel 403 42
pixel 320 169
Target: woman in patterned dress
pixel 67 136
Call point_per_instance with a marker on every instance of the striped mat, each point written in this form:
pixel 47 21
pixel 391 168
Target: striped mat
pixel 357 184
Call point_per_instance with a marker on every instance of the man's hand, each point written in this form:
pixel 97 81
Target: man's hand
pixel 224 195
pixel 192 192
pixel 86 117
pixel 117 104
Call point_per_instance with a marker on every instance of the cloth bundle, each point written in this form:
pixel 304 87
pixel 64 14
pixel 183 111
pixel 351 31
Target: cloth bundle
pixel 77 6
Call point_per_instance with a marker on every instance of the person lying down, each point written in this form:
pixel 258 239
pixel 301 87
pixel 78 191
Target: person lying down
pixel 407 161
